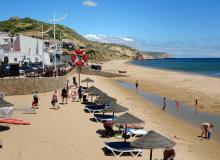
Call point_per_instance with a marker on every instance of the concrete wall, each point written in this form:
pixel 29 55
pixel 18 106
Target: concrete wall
pixel 20 86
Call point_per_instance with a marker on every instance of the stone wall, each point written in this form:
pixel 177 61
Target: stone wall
pixel 21 86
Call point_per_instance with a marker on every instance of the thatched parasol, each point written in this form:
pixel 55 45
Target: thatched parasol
pixel 115 108
pixel 94 91
pixel 87 80
pixel 126 119
pixel 153 140
pixel 107 100
pixel 4 103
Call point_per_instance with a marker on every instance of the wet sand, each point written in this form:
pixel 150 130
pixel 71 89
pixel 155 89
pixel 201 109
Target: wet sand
pixel 68 133
pixel 174 85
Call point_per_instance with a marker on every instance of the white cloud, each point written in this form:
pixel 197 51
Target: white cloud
pixel 92 36
pixel 127 39
pixel 89 3
pixel 185 48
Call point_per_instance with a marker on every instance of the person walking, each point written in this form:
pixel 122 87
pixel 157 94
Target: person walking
pixel 164 103
pixel 206 127
pixel 54 100
pixel 35 100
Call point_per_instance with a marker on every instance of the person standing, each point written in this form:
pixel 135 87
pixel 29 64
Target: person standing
pixel 64 95
pixel 177 104
pixel 196 102
pixel 74 80
pixel 206 127
pixel 164 103
pixel 80 93
pixel 136 85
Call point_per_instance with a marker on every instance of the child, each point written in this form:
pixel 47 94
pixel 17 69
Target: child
pixel 35 101
pixel 54 100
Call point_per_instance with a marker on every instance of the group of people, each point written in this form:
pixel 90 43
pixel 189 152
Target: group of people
pixel 73 92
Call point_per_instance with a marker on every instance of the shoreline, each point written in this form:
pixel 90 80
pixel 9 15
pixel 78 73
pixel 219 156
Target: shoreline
pixel 174 85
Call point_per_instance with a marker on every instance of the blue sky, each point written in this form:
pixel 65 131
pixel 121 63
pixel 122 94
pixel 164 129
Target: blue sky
pixel 162 23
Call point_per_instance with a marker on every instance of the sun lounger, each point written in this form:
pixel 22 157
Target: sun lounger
pixel 118 148
pixel 104 117
pixel 136 132
pixel 95 108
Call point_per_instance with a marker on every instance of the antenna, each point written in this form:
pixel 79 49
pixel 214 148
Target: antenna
pixel 54 36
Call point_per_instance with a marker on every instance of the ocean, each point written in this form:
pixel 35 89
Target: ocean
pixel 202 66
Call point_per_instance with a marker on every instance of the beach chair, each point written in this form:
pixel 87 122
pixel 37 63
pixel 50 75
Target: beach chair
pixel 95 108
pixel 135 132
pixel 118 148
pixel 103 117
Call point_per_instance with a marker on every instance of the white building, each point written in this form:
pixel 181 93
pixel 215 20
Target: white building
pixel 22 48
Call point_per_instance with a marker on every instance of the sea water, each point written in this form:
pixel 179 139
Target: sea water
pixel 186 113
pixel 204 66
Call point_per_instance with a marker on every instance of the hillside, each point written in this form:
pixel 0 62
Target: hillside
pixel 101 51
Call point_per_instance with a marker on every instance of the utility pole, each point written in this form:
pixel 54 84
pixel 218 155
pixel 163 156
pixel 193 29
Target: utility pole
pixel 42 37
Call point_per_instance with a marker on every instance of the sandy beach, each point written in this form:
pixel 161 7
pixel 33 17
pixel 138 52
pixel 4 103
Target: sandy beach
pixel 174 85
pixel 68 133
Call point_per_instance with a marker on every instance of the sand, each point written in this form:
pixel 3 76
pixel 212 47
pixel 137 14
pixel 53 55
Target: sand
pixel 174 85
pixel 68 133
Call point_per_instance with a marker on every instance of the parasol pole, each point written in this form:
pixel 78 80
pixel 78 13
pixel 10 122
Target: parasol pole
pixel 79 68
pixel 125 131
pixel 150 154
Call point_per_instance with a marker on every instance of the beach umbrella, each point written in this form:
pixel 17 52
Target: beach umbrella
pixel 87 80
pixel 126 119
pixel 104 99
pixel 4 103
pixel 153 140
pixel 115 108
pixel 94 91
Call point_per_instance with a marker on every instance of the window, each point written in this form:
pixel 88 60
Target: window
pixel 15 60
